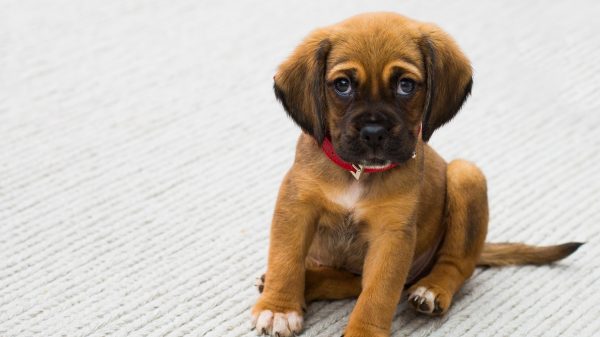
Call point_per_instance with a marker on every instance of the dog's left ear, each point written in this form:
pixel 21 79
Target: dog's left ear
pixel 300 84
pixel 449 78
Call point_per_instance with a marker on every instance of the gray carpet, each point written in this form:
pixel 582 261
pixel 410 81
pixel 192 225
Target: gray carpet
pixel 141 149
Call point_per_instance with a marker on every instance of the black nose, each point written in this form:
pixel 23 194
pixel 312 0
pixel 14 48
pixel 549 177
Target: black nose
pixel 373 134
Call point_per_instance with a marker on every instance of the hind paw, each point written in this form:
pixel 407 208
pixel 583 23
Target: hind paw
pixel 431 300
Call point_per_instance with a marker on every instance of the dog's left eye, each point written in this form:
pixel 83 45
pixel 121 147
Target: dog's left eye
pixel 405 86
pixel 342 86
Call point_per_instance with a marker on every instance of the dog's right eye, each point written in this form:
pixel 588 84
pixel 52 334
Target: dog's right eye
pixel 342 86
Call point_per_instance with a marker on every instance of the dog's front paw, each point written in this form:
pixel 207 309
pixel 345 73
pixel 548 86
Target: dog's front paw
pixel 429 299
pixel 278 324
pixel 272 316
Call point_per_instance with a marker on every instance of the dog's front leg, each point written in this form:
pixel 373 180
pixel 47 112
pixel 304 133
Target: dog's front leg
pixel 390 252
pixel 278 311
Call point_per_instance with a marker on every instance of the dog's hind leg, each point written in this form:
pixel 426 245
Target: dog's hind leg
pixel 466 220
pixel 325 283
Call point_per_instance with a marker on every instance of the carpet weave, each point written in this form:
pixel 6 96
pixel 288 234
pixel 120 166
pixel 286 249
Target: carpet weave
pixel 141 149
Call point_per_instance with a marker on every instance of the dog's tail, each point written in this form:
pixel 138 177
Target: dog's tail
pixel 504 254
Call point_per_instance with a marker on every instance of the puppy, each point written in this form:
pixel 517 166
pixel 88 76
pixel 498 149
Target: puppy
pixel 368 208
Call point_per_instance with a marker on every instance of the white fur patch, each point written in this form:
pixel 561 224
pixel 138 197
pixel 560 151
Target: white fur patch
pixel 295 322
pixel 420 291
pixel 424 295
pixel 430 298
pixel 349 197
pixel 264 322
pixel 278 324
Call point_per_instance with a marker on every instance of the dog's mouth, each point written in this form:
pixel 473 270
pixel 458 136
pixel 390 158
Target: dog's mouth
pixel 376 159
pixel 375 163
pixel 395 148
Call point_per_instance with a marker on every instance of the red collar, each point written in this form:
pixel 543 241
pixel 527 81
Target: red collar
pixel 355 169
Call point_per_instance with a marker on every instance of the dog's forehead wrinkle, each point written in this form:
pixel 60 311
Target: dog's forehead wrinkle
pixel 381 45
pixel 374 85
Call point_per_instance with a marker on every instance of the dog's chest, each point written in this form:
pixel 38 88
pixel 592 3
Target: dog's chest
pixel 348 197
pixel 345 212
pixel 338 241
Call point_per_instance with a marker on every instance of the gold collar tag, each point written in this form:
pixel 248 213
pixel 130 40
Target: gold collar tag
pixel 359 170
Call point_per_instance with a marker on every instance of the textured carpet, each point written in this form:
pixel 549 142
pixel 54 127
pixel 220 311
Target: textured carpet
pixel 141 150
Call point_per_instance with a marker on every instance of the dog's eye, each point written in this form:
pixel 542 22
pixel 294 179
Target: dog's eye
pixel 405 87
pixel 342 86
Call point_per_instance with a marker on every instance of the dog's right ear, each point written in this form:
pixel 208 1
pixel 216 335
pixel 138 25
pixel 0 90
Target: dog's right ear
pixel 300 84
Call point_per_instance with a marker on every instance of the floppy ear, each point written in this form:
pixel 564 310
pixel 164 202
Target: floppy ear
pixel 300 84
pixel 449 78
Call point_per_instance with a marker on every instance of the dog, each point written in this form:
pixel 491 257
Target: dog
pixel 368 208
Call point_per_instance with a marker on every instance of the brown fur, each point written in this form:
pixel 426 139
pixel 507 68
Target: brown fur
pixel 504 254
pixel 333 237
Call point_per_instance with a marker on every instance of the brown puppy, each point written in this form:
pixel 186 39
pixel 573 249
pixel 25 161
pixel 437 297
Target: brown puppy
pixel 368 207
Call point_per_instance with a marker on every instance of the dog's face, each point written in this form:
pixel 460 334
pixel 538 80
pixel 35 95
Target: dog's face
pixel 370 82
pixel 374 85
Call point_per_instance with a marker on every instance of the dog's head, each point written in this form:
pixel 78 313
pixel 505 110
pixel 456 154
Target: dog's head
pixel 370 82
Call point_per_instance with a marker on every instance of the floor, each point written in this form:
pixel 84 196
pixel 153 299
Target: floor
pixel 141 148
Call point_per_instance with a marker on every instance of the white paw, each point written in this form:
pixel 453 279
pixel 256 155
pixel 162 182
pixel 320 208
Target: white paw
pixel 423 300
pixel 278 324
